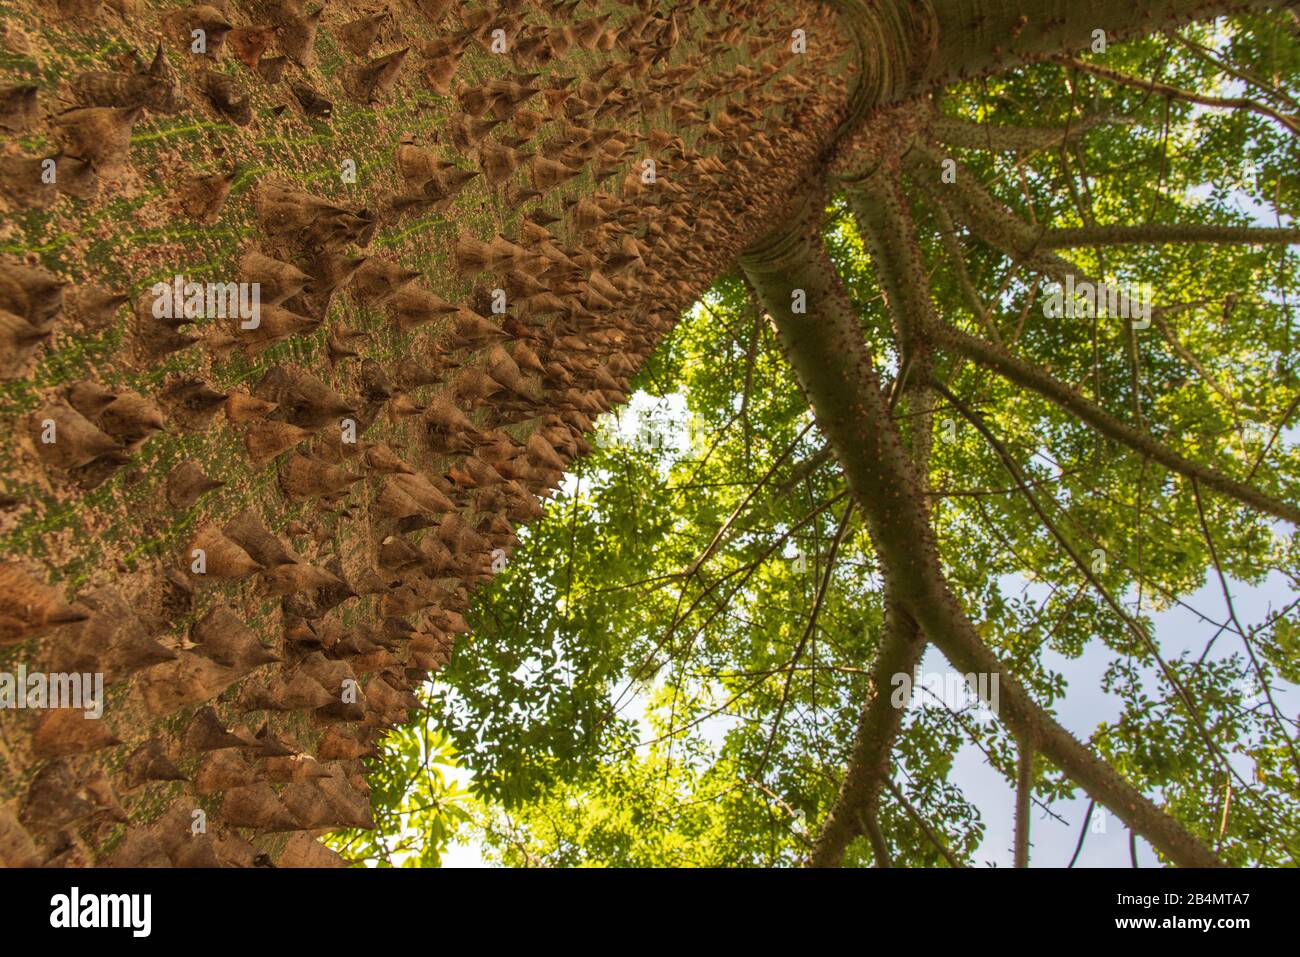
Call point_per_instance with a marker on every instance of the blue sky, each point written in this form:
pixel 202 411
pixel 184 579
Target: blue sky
pixel 1085 704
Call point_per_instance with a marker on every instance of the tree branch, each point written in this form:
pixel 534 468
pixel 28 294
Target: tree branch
pixel 885 221
pixel 948 236
pixel 1037 380
pixel 1140 633
pixel 1162 234
pixel 830 357
pixel 1083 833
pixel 926 829
pixel 967 135
pixel 809 630
pixel 867 769
pixel 1188 96
pixel 1207 55
pixel 1024 790
pixel 986 36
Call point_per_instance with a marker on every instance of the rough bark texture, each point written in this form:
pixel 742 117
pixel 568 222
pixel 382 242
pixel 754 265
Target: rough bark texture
pixel 241 700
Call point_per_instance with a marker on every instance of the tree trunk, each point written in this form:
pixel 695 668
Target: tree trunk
pixel 257 636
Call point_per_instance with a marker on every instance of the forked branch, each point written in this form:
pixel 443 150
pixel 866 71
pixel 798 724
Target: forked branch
pixel 829 354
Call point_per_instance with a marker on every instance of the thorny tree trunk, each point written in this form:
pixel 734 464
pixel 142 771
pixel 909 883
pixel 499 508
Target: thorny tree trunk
pixel 184 511
pixel 242 694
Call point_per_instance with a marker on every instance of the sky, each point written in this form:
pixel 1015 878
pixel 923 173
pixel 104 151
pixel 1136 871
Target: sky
pixel 1083 707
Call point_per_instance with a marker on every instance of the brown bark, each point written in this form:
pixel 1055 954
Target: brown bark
pixel 227 684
